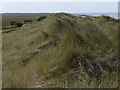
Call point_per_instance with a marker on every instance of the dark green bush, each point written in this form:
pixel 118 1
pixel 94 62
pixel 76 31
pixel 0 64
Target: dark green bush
pixel 17 24
pixel 41 18
pixel 28 20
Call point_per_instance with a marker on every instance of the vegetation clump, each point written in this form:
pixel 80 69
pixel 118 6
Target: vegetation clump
pixel 28 21
pixel 41 18
pixel 17 24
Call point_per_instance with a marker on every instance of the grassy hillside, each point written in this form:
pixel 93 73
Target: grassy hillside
pixel 62 51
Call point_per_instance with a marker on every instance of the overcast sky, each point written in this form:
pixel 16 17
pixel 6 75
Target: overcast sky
pixel 53 7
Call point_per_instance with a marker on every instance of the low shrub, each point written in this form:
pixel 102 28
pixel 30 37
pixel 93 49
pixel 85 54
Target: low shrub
pixel 41 18
pixel 17 24
pixel 28 21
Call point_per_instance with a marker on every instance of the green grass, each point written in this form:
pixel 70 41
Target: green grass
pixel 92 40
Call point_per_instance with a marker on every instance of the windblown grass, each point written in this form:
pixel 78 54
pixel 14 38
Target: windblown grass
pixel 92 42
